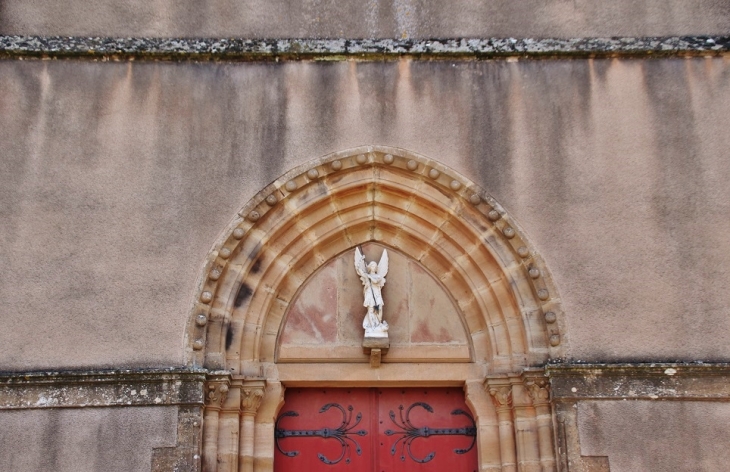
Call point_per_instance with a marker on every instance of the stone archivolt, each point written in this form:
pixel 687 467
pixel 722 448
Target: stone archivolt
pixel 450 226
pixel 431 215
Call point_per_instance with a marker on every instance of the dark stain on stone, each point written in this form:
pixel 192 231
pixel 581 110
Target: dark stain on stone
pixel 325 87
pixel 229 335
pixel 334 179
pixel 256 266
pixel 244 292
pixel 600 68
pixel 255 251
pixel 556 114
pixel 378 87
pixel 321 189
pixel 443 192
pixel 257 129
pixel 271 134
pixel 487 117
pixel 679 188
pixel 51 439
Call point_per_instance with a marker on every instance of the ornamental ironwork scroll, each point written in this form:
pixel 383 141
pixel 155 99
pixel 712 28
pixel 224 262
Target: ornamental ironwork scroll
pixel 343 433
pixel 410 433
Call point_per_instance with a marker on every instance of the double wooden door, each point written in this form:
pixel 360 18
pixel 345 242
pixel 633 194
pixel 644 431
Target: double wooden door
pixel 375 430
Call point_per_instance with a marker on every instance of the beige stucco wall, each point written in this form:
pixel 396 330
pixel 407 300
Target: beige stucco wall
pixel 117 179
pixel 655 436
pixel 365 19
pixel 70 439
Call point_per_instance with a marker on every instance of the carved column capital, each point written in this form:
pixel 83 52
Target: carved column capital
pixel 251 395
pixel 501 396
pixel 216 393
pixel 539 390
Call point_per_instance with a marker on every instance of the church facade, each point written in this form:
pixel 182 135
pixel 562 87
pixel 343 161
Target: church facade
pixel 191 200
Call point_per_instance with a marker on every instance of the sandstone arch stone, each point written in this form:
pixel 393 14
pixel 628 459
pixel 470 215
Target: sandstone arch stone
pixel 405 201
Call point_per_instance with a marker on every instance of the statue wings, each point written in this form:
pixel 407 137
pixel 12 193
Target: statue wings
pixel 383 264
pixel 360 263
pixel 361 267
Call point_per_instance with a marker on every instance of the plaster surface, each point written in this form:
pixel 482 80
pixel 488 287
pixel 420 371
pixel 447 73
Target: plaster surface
pixel 655 436
pixel 92 439
pixel 326 316
pixel 370 19
pixel 119 177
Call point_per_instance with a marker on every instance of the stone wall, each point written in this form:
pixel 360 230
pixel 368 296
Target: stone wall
pixel 371 19
pixel 120 177
pixel 113 439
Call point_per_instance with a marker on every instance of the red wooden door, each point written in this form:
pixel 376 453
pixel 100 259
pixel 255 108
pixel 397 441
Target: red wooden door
pixel 383 430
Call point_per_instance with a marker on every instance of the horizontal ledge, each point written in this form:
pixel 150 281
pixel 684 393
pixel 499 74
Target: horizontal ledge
pixel 94 376
pixel 292 353
pixel 655 381
pixel 640 369
pixel 241 49
pixel 387 375
pixel 101 389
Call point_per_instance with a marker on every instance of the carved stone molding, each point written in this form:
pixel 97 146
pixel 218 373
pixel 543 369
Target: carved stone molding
pixel 252 392
pixel 501 397
pixel 246 282
pixel 216 392
pixel 538 388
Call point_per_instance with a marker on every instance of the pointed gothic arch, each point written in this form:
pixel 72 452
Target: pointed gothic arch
pixel 424 210
pixel 405 201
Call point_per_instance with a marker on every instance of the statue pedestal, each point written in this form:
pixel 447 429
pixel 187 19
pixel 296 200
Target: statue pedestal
pixel 375 347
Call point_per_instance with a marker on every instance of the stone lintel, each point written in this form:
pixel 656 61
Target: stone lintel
pixel 241 49
pixel 665 381
pixel 23 390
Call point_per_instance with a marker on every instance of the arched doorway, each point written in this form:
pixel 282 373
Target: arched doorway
pixel 498 318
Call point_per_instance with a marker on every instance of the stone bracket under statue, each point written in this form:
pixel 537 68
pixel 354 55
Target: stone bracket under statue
pixel 372 275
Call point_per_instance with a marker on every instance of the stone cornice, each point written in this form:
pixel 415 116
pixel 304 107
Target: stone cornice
pixel 568 383
pixel 665 381
pixel 238 49
pixel 101 388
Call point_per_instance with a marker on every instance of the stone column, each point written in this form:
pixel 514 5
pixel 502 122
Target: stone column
pixel 252 392
pixel 538 389
pixel 265 426
pixel 228 431
pixel 501 392
pixel 526 428
pixel 485 416
pixel 215 397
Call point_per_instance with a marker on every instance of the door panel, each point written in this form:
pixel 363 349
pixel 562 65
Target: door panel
pixel 325 429
pixel 425 430
pixel 369 429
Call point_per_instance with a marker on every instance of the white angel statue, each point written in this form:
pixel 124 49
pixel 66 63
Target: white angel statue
pixel 372 276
